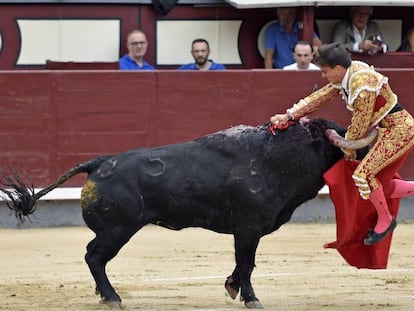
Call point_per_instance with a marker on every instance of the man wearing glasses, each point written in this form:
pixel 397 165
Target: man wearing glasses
pixel 137 46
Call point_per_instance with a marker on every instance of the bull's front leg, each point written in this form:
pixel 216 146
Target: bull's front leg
pixel 246 245
pixel 232 284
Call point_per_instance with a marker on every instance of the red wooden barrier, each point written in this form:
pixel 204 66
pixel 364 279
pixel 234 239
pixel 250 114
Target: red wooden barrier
pixel 51 120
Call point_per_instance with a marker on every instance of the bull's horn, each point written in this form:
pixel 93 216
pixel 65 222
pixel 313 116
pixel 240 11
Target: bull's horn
pixel 337 140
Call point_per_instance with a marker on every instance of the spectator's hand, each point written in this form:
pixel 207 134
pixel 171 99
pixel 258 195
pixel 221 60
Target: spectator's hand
pixel 367 45
pixel 280 119
pixel 370 46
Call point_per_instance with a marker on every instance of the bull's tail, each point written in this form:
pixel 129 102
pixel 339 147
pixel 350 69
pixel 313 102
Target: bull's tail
pixel 21 197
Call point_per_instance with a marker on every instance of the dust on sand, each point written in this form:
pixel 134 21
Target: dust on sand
pixel 160 269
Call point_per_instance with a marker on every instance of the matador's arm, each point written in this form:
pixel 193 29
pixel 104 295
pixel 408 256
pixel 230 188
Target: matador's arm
pixel 312 102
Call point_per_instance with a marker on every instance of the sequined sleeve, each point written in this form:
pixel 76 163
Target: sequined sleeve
pixel 312 102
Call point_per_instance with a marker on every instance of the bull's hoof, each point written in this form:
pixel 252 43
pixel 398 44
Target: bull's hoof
pixel 113 305
pixel 232 292
pixel 231 289
pixel 254 304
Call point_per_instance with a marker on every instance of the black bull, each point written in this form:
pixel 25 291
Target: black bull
pixel 242 181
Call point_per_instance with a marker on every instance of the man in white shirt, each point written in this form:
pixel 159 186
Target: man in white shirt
pixel 303 55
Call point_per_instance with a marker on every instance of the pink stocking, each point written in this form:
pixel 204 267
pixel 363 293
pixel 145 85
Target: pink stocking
pixel 377 199
pixel 402 188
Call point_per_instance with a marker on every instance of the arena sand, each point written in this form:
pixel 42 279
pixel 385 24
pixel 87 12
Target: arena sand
pixel 160 269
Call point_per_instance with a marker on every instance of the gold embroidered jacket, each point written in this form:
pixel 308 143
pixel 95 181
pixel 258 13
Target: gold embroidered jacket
pixel 370 98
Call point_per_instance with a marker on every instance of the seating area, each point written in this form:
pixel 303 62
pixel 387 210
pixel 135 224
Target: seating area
pixel 391 30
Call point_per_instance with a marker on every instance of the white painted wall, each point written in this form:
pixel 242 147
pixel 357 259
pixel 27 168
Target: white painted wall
pixel 174 39
pixel 68 40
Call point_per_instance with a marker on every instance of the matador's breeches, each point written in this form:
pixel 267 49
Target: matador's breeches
pixel 395 139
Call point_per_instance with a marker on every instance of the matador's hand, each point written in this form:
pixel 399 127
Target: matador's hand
pixel 280 119
pixel 349 154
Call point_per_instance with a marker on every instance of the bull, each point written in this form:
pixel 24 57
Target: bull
pixel 243 181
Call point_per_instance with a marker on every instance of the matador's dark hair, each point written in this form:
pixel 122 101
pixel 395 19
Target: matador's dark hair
pixel 333 54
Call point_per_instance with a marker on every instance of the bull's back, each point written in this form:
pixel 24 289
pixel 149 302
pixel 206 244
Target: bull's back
pixel 218 182
pixel 178 185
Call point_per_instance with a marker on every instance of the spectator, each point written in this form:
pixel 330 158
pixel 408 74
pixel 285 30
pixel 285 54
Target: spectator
pixel 137 45
pixel 407 45
pixel 280 39
pixel 303 55
pixel 359 33
pixel 200 50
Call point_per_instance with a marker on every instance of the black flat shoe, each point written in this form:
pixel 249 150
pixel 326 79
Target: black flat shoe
pixel 373 237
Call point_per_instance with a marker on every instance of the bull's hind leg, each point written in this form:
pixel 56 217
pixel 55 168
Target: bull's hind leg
pixel 246 245
pixel 102 249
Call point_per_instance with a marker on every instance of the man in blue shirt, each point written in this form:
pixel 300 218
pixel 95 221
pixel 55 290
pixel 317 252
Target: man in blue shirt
pixel 280 39
pixel 137 46
pixel 200 50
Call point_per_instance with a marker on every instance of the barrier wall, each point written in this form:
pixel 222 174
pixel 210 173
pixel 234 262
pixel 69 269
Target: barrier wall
pixel 52 120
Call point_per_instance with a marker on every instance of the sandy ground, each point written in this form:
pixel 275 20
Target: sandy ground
pixel 159 269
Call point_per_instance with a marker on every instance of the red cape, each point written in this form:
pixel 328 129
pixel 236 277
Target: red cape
pixel 354 217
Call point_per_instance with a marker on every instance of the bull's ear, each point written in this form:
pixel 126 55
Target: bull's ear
pixel 163 6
